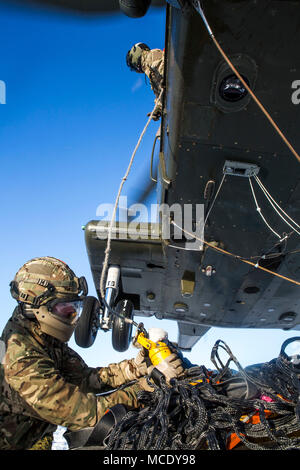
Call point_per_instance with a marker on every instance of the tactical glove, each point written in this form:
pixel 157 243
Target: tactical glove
pixel 171 367
pixel 137 367
pixel 143 384
pixel 141 362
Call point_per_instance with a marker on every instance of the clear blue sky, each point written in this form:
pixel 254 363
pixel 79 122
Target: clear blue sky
pixel 72 118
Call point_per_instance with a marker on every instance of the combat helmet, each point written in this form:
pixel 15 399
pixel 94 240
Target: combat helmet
pixel 134 56
pixel 49 291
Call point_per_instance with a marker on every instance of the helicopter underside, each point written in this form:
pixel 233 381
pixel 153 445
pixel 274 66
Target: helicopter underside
pixel 214 137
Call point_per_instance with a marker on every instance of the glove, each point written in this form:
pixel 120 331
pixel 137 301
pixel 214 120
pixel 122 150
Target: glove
pixel 171 367
pixel 136 368
pixel 141 363
pixel 143 384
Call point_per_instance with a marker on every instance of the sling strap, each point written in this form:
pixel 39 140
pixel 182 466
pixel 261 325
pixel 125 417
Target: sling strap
pixel 95 436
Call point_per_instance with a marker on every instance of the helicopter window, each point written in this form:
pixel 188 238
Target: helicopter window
pixel 231 88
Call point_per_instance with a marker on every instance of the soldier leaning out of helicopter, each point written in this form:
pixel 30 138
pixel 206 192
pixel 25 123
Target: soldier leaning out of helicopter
pixel 44 383
pixel 141 59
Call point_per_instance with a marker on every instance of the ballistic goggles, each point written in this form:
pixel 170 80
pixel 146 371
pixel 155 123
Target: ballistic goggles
pixel 66 310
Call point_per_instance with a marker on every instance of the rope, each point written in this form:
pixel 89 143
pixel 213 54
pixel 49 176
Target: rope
pixel 108 245
pixel 220 250
pixel 198 8
pixel 260 213
pixel 274 203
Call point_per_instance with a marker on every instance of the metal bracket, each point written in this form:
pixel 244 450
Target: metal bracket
pixel 198 7
pixel 152 153
pixel 240 169
pixel 163 168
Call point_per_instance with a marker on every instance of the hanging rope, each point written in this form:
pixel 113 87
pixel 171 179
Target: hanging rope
pixel 197 6
pixel 260 213
pixel 277 207
pixel 109 234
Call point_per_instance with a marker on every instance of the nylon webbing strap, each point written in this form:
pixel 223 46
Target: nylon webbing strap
pixel 102 429
pixel 96 436
pixel 78 438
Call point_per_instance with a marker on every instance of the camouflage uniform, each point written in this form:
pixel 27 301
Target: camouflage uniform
pixel 44 383
pixel 152 63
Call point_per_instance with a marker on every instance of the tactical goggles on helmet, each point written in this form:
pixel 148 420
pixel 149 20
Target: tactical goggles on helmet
pixel 59 317
pixel 66 310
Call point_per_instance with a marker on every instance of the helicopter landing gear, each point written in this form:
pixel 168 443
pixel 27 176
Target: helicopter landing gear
pixel 93 317
pixel 122 330
pixel 88 324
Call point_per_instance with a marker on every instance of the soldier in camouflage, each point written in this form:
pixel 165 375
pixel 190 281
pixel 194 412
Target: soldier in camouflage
pixel 151 62
pixel 43 382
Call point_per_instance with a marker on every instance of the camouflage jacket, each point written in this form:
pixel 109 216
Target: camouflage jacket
pixel 153 66
pixel 44 383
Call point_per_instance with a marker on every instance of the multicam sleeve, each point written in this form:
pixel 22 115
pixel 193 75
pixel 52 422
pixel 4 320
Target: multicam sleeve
pixel 153 66
pixel 101 379
pixel 31 373
pixel 120 373
pixel 127 397
pixel 98 379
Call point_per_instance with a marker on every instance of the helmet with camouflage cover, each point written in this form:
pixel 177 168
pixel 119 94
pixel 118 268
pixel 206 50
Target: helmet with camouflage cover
pixel 134 56
pixel 49 291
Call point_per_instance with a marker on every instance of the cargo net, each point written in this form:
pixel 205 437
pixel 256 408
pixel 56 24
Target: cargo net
pixel 254 408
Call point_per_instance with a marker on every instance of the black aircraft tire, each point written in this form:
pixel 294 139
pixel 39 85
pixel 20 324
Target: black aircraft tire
pixel 121 331
pixel 134 8
pixel 86 329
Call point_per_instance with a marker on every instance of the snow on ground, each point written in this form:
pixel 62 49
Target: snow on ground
pixel 59 442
